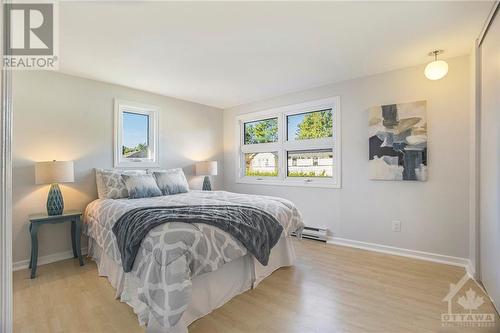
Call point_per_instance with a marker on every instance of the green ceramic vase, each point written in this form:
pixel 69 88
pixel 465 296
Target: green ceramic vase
pixel 55 203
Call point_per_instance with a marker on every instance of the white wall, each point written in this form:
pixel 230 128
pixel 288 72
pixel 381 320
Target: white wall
pixel 434 214
pixel 63 117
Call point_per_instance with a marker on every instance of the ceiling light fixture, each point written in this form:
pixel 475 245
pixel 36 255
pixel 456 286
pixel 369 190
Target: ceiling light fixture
pixel 438 68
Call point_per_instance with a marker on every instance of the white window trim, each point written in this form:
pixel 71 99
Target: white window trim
pixel 282 146
pixel 153 113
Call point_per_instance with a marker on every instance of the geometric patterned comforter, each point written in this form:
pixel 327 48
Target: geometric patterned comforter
pixel 173 253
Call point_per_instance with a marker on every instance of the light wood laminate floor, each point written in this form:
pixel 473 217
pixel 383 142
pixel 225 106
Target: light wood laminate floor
pixel 331 289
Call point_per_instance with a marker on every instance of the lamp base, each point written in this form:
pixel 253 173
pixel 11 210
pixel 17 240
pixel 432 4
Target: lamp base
pixel 55 203
pixel 206 184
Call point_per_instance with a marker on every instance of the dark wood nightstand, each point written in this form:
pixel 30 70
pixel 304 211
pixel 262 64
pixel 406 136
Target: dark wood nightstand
pixel 76 226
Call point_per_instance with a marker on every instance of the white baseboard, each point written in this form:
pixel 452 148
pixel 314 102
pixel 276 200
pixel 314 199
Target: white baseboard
pixel 434 257
pixel 470 269
pixel 50 258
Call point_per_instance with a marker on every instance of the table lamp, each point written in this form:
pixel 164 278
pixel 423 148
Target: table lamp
pixel 53 173
pixel 206 168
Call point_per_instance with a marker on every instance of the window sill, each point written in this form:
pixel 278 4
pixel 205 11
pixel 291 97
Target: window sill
pixel 137 164
pixel 312 184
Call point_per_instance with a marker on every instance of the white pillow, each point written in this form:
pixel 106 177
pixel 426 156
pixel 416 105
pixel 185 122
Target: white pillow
pixel 110 184
pixel 171 181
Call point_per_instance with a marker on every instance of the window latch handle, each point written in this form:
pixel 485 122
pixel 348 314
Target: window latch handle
pixel 308 180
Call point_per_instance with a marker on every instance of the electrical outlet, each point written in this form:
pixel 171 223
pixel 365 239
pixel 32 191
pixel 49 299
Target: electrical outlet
pixel 396 226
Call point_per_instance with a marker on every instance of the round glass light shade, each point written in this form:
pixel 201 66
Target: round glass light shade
pixel 436 70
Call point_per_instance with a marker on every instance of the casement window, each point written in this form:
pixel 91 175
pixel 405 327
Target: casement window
pixel 295 145
pixel 136 135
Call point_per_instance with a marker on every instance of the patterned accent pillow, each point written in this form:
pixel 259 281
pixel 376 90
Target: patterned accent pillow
pixel 141 186
pixel 172 181
pixel 110 184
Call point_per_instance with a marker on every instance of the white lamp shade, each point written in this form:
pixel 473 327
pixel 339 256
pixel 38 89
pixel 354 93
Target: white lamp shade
pixel 54 172
pixel 206 168
pixel 436 70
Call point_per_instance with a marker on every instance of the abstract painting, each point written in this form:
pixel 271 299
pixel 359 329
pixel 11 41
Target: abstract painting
pixel 398 142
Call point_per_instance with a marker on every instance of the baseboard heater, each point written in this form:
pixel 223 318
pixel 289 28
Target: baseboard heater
pixel 314 233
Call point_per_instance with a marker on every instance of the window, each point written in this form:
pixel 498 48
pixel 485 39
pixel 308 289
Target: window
pixel 261 164
pixel 261 131
pixel 136 135
pixel 296 145
pixel 310 125
pixel 310 163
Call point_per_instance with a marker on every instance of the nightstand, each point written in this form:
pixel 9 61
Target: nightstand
pixel 76 226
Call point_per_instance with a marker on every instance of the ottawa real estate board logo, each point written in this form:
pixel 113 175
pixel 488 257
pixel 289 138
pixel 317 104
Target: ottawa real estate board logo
pixel 30 36
pixel 467 306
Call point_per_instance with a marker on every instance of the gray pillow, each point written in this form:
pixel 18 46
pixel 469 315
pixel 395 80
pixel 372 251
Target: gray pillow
pixel 171 181
pixel 141 186
pixel 110 184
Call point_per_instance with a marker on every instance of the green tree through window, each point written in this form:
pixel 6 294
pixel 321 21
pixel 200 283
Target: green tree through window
pixel 261 131
pixel 315 125
pixel 141 150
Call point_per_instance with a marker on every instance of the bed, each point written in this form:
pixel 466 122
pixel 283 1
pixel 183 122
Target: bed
pixel 183 271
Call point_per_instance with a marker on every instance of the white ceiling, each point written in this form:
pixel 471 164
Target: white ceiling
pixel 229 53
